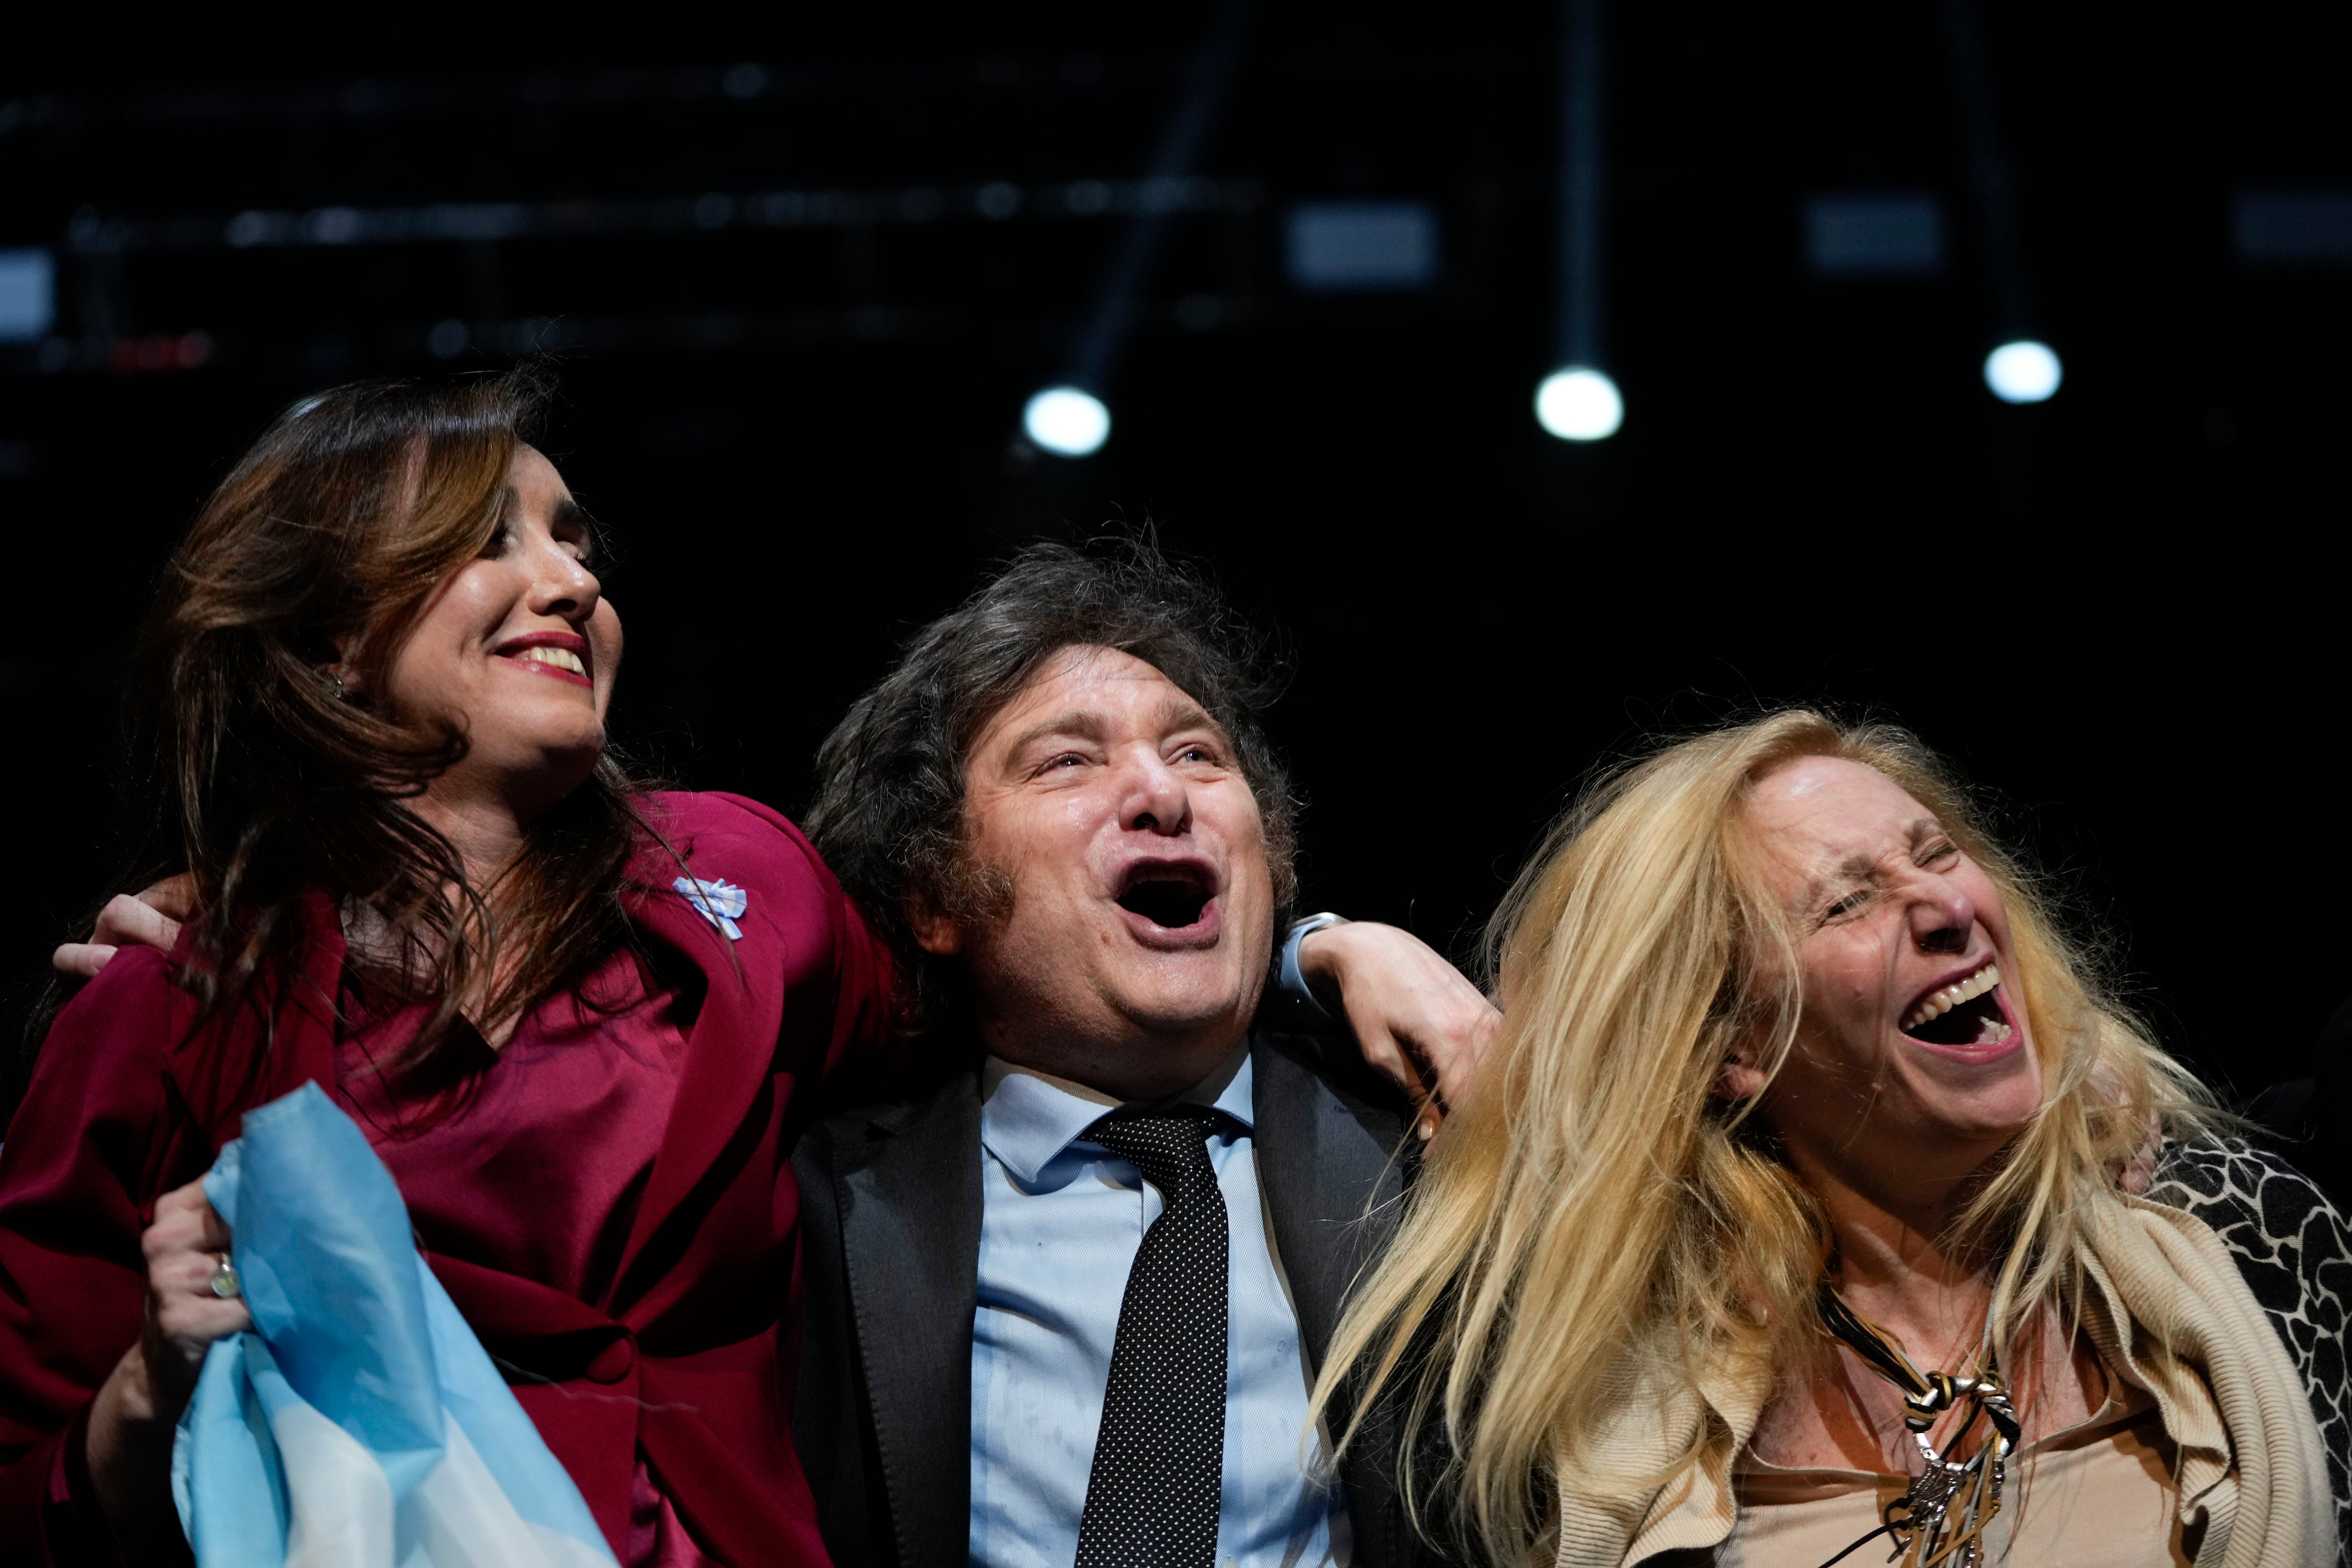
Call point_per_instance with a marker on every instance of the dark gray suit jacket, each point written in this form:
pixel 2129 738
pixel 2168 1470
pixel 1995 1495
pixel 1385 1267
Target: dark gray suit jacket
pixel 890 1238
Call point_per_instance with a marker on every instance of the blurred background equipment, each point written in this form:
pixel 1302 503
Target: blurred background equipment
pixel 851 301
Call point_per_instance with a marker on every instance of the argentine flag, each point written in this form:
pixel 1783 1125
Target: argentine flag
pixel 360 1424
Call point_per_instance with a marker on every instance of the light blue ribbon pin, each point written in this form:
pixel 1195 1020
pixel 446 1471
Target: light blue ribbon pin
pixel 723 903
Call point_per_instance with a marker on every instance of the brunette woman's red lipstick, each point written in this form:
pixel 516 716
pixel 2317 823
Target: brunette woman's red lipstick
pixel 563 655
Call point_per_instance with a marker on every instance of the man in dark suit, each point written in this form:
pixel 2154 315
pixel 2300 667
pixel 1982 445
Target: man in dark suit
pixel 1064 1303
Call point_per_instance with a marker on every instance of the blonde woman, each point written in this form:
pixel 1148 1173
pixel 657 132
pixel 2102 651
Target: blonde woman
pixel 1788 1223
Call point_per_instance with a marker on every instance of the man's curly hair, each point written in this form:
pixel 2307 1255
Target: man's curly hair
pixel 888 814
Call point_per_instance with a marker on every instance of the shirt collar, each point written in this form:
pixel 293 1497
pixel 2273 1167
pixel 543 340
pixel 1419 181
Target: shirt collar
pixel 1028 1117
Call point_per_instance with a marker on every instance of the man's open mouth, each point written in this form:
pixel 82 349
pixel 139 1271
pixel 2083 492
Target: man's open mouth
pixel 1170 895
pixel 1966 1012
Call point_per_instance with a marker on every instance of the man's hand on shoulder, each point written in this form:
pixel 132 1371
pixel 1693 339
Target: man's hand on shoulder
pixel 150 920
pixel 1415 1017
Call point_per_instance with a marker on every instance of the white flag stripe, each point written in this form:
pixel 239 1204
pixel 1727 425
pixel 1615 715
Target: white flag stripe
pixel 340 1500
pixel 458 1518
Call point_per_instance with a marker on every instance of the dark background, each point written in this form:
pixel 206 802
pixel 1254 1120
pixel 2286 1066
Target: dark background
pixel 2118 610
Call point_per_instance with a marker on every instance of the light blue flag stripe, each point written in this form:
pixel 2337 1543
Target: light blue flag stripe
pixel 361 1424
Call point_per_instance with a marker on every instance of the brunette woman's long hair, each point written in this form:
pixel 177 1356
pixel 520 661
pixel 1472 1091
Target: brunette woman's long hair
pixel 249 764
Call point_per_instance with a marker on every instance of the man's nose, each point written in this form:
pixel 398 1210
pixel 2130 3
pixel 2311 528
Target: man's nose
pixel 1156 800
pixel 1942 915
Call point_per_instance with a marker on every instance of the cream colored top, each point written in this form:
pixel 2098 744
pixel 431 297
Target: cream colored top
pixel 2166 1310
pixel 2098 1494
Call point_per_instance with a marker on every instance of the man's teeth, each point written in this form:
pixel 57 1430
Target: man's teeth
pixel 1939 1002
pixel 561 658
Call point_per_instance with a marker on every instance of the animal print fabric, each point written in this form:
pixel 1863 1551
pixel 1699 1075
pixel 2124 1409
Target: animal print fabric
pixel 2296 1252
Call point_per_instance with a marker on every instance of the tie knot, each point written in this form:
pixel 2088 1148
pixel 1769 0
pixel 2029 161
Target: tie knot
pixel 1168 1146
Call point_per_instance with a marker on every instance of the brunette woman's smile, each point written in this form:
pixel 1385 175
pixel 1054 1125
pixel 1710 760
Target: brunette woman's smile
pixel 560 656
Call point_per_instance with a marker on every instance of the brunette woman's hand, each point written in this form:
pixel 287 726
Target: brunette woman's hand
pixel 150 920
pixel 1415 1015
pixel 130 1423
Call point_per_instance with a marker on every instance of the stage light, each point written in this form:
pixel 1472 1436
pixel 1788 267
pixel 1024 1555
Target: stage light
pixel 1580 403
pixel 1066 421
pixel 2022 372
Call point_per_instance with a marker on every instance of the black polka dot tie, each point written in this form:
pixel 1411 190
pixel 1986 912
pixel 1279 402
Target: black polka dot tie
pixel 1151 1498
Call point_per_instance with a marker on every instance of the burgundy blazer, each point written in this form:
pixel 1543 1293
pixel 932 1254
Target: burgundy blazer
pixel 688 1355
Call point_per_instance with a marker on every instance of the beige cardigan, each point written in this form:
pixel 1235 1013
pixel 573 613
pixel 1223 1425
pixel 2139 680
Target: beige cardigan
pixel 2168 1311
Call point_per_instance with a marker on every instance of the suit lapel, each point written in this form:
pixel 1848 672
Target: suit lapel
pixel 1333 1179
pixel 908 1183
pixel 1333 1169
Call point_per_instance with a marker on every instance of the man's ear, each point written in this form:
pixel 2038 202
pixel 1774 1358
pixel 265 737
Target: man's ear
pixel 940 935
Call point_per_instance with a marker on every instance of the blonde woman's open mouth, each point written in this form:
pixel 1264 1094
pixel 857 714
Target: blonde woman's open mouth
pixel 1964 1016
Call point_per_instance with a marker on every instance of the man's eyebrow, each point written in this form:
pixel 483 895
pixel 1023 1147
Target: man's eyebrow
pixel 1081 723
pixel 1924 829
pixel 1086 724
pixel 1184 713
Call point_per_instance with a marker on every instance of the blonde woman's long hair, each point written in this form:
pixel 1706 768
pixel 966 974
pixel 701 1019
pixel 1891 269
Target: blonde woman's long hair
pixel 1599 1208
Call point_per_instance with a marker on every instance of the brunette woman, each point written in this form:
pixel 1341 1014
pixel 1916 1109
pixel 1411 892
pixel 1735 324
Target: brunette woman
pixel 368 718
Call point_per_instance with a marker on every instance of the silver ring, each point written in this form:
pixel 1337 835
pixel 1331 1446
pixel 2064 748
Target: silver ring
pixel 225 1281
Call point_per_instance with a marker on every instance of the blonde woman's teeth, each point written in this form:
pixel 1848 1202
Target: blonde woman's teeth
pixel 560 657
pixel 1937 1004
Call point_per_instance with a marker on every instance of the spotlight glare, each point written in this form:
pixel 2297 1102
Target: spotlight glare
pixel 1066 421
pixel 1580 403
pixel 2022 372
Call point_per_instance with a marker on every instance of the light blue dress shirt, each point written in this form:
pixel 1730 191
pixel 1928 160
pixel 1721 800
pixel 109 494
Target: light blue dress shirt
pixel 1060 1225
